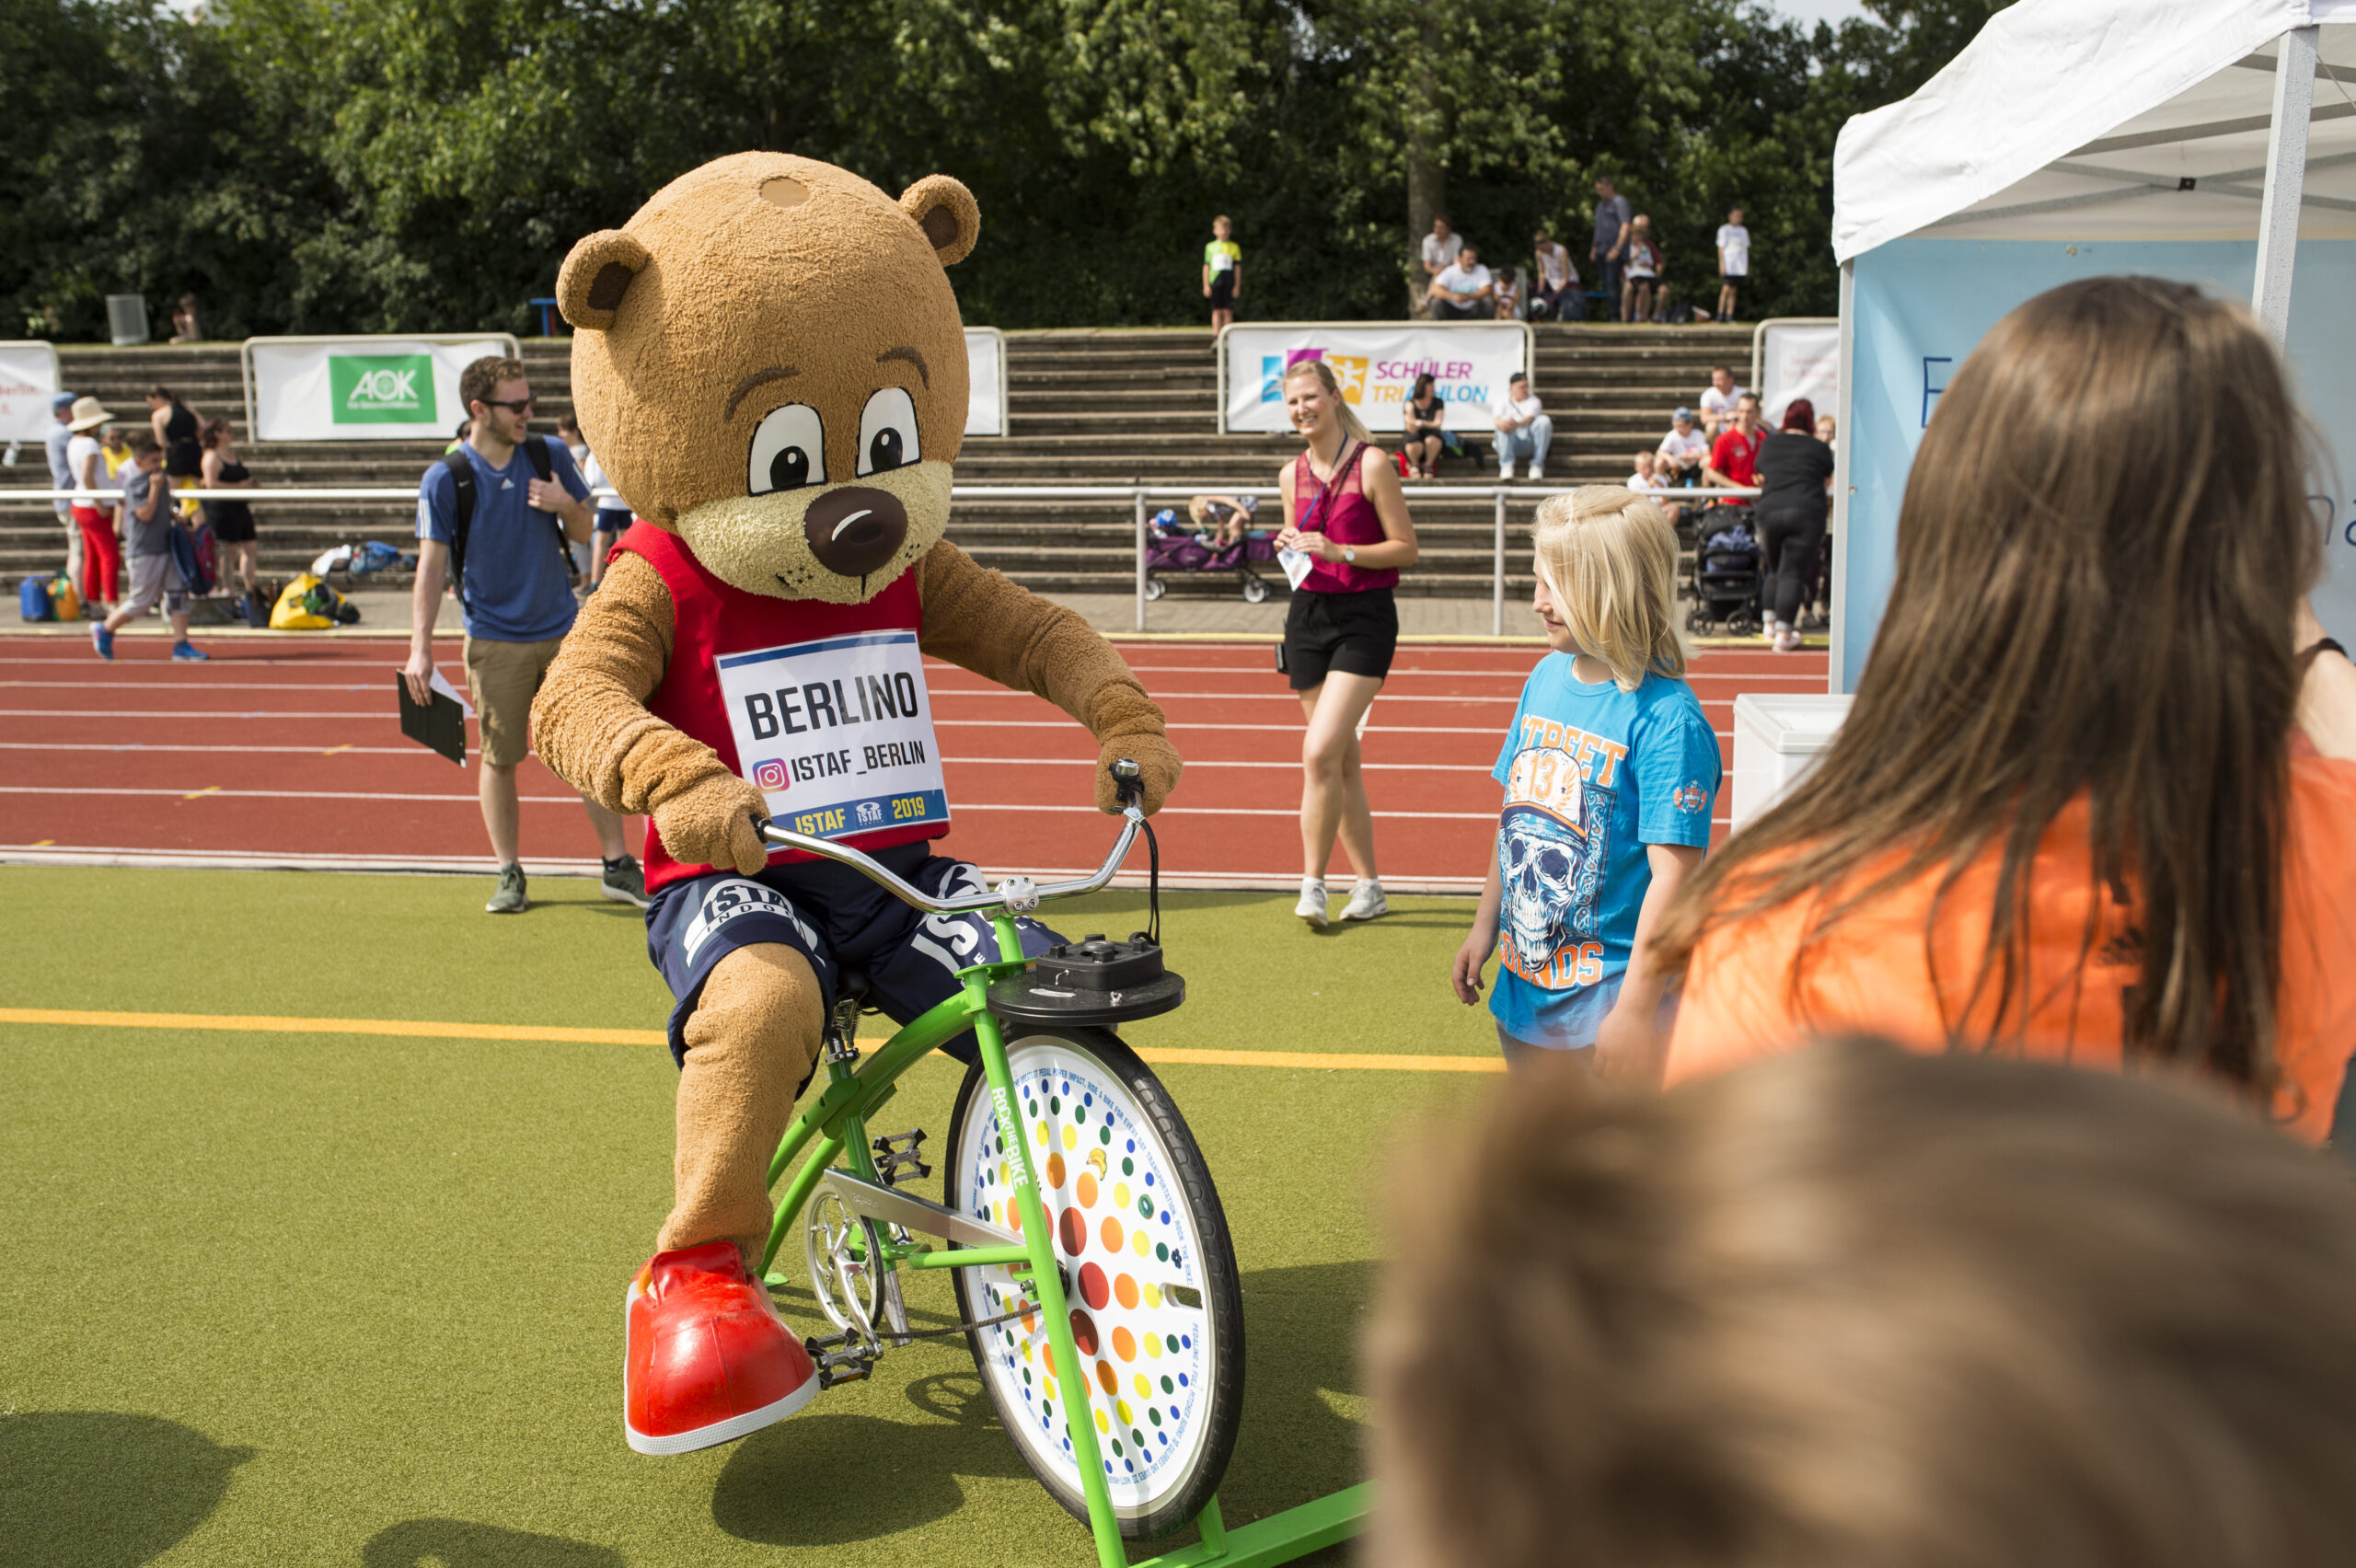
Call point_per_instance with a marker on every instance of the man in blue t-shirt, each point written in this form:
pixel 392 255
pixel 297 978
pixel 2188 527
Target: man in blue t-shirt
pixel 518 601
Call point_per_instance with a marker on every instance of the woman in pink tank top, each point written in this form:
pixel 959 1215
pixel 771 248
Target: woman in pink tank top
pixel 1343 510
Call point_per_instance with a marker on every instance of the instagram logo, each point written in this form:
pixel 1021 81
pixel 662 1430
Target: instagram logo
pixel 770 775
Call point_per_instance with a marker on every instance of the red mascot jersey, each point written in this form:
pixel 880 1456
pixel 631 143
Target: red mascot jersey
pixel 822 707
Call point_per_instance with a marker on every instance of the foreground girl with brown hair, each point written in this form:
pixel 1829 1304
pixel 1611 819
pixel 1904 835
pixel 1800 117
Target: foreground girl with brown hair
pixel 2064 818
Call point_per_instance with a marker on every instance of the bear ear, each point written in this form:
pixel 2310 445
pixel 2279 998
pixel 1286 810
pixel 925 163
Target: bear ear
pixel 589 288
pixel 947 213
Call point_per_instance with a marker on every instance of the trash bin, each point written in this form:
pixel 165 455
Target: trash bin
pixel 127 319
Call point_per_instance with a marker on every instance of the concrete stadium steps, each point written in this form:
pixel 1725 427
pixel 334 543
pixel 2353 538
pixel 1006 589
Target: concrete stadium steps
pixel 1093 406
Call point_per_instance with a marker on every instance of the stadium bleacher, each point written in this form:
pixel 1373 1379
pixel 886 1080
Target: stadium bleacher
pixel 1094 406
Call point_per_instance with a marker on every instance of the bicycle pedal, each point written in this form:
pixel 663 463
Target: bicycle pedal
pixel 846 1358
pixel 897 1154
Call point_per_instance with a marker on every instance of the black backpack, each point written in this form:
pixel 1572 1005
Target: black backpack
pixel 462 476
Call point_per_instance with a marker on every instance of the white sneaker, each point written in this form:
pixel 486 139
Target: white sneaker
pixel 1537 475
pixel 1367 901
pixel 1505 476
pixel 1311 906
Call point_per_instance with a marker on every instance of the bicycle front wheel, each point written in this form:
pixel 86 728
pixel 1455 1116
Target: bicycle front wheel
pixel 1157 1311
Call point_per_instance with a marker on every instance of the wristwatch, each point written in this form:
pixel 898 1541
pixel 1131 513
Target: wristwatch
pixel 1349 555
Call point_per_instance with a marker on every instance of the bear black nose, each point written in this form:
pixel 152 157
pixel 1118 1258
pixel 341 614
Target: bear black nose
pixel 855 530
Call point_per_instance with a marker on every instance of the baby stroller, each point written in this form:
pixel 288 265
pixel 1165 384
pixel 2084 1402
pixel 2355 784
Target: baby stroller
pixel 1172 545
pixel 1723 589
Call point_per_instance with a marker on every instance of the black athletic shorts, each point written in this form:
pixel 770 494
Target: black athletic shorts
pixel 1354 633
pixel 1223 290
pixel 833 916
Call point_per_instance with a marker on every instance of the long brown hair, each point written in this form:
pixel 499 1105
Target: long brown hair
pixel 2101 547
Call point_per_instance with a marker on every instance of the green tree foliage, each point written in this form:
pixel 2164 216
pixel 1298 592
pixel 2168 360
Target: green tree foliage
pixel 314 165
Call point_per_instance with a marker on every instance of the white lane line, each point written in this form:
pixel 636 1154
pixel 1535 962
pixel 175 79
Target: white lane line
pixel 214 792
pixel 205 685
pixel 1058 723
pixel 1289 765
pixel 1291 697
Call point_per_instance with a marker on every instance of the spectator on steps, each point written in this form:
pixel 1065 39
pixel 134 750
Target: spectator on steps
pixel 1734 262
pixel 186 329
pixel 1524 429
pixel 1794 482
pixel 1826 428
pixel 233 521
pixel 178 431
pixel 1554 284
pixel 1610 251
pixel 1463 291
pixel 1222 520
pixel 1422 422
pixel 1684 451
pixel 155 575
pixel 1643 270
pixel 61 477
pixel 1718 401
pixel 1441 248
pixel 100 582
pixel 1734 456
pixel 1222 273
pixel 1510 294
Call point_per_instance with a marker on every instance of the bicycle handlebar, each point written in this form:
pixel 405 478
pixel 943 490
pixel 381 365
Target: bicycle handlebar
pixel 1017 894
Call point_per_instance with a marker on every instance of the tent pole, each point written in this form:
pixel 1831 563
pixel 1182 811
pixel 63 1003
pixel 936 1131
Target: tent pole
pixel 1839 676
pixel 2286 170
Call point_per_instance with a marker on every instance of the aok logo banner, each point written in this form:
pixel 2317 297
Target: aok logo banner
pixel 382 388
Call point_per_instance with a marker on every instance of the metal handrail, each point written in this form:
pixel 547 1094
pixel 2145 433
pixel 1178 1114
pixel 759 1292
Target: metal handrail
pixel 1019 894
pixel 1136 495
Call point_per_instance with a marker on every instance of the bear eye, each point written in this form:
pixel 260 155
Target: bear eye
pixel 789 451
pixel 887 431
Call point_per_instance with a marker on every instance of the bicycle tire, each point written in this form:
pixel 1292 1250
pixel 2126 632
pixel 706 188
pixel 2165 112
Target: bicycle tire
pixel 1172 1375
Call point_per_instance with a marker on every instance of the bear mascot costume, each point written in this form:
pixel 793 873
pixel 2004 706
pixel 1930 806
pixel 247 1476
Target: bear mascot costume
pixel 768 362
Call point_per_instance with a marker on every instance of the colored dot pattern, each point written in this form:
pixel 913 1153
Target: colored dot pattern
pixel 1103 1176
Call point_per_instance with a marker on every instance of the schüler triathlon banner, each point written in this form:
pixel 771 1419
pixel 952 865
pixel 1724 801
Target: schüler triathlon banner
pixel 374 388
pixel 1799 358
pixel 1376 363
pixel 28 381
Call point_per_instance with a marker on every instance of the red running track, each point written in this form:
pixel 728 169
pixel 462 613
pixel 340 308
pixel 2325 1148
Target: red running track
pixel 287 751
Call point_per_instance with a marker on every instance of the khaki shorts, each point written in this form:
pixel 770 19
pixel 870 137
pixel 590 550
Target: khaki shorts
pixel 503 678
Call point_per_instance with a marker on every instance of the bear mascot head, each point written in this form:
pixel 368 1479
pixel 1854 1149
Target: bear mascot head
pixel 769 363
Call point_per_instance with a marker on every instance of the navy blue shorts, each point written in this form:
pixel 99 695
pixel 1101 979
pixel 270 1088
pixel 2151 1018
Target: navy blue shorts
pixel 833 916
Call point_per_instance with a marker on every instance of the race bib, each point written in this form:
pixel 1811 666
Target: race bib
pixel 838 733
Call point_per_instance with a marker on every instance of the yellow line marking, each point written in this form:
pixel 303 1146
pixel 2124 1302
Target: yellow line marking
pixel 198 794
pixel 546 1033
pixel 39 843
pixel 333 750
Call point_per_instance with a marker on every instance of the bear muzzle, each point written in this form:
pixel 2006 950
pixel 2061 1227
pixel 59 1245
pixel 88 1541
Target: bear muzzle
pixel 855 530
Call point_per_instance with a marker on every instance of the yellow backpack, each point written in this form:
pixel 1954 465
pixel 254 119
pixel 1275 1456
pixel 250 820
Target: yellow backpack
pixel 292 613
pixel 63 602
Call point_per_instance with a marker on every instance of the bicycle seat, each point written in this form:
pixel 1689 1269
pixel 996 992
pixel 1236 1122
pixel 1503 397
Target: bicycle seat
pixel 851 986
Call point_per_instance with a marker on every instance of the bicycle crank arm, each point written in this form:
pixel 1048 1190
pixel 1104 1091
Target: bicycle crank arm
pixel 887 1205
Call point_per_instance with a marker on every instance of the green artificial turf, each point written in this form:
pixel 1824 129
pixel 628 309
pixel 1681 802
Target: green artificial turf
pixel 357 1299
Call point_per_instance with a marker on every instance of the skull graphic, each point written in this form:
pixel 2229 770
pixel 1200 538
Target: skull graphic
pixel 1541 859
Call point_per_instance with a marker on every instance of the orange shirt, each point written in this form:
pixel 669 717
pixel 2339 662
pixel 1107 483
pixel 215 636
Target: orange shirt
pixel 1872 972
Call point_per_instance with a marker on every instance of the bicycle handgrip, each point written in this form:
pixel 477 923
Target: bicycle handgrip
pixel 1128 781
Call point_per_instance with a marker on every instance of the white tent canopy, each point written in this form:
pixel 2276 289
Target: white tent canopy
pixel 2089 118
pixel 2210 141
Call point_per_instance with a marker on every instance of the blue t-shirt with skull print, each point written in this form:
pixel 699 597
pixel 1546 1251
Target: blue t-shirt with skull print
pixel 1592 774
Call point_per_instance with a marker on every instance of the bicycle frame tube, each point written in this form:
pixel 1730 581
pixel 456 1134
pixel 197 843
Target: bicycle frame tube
pixel 1046 1277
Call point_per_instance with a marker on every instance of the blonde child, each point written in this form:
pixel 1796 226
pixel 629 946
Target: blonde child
pixel 1609 771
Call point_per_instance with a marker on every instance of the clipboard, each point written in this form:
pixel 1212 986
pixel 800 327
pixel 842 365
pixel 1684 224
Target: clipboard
pixel 439 723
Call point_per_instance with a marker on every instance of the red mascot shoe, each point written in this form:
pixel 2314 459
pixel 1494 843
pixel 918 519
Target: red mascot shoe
pixel 709 1359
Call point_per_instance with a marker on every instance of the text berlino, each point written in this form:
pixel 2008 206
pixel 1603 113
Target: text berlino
pixel 795 711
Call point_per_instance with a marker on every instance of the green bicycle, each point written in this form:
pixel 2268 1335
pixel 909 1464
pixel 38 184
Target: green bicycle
pixel 1070 1173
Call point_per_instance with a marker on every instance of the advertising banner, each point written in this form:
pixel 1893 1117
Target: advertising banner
pixel 1919 308
pixel 986 396
pixel 361 388
pixel 1795 356
pixel 28 381
pixel 1376 363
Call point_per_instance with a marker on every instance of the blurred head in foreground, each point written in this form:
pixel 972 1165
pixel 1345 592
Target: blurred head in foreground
pixel 1855 1307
